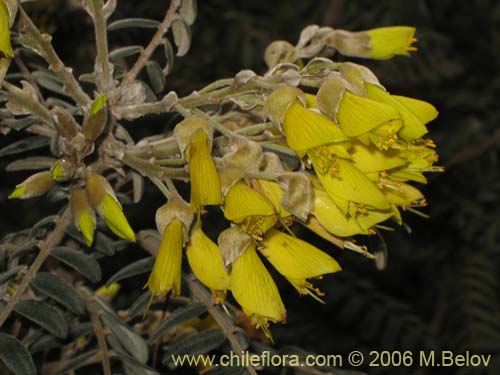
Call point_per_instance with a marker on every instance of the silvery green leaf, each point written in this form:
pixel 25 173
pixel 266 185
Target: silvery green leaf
pixel 156 76
pixel 122 52
pixel 182 36
pixel 5 276
pixel 150 95
pixel 31 244
pixel 43 314
pixel 133 269
pixel 140 304
pixel 104 244
pixel 50 82
pixel 143 23
pixel 44 344
pixel 15 357
pixel 81 262
pixel 201 343
pixel 77 362
pixel 132 342
pixel 41 224
pixel 188 11
pixel 26 144
pixel 23 123
pixel 59 290
pixel 180 315
pixel 33 163
pixel 138 186
pixel 169 56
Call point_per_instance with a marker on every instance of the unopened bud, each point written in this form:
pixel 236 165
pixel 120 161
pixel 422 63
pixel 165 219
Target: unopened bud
pixel 65 124
pixel 97 119
pixel 34 186
pixel 62 170
pixel 280 52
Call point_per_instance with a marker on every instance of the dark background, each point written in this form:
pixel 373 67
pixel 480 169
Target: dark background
pixel 440 289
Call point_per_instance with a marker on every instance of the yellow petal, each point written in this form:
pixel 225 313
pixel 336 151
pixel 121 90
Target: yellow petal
pixel 116 220
pixel 341 178
pixel 305 129
pixel 205 182
pixel 311 101
pixel 424 111
pixel 242 201
pixel 274 193
pixel 358 115
pixel 108 291
pixel 412 128
pixel 5 46
pixel 166 273
pixel 254 289
pixel 402 195
pixel 83 214
pixel 294 258
pixel 205 260
pixel 386 42
pixel 370 159
pixel 18 192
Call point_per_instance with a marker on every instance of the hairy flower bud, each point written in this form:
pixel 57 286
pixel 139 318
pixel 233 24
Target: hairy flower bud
pixel 96 120
pixel 279 52
pixel 83 214
pixel 5 46
pixel 34 186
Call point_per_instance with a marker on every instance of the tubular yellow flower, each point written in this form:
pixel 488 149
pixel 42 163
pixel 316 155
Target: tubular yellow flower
pixel 116 220
pixel 369 159
pixel 250 209
pixel 205 182
pixel 274 193
pixel 297 260
pixel 343 224
pixel 305 129
pixel 206 262
pixel 102 198
pixel 34 186
pixel 254 289
pixel 83 215
pixel 386 42
pixel 5 46
pixel 412 112
pixel 166 273
pixel 341 178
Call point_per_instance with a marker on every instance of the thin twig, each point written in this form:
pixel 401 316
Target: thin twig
pixel 71 85
pixel 157 39
pixel 99 334
pixel 219 316
pixel 51 241
pixel 105 78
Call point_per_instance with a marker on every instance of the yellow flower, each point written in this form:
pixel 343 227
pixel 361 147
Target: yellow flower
pixel 34 186
pixel 297 260
pixel 305 129
pixel 5 47
pixel 274 193
pixel 358 116
pixel 206 262
pixel 343 179
pixel 386 42
pixel 250 209
pixel 414 113
pixel 205 182
pixel 254 289
pixel 101 196
pixel 420 158
pixel 166 274
pixel 83 215
pixel 108 292
pixel 344 224
pixel 369 159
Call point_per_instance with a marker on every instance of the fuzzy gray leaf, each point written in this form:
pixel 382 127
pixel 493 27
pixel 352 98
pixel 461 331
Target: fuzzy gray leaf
pixel 15 356
pixel 182 36
pixel 122 52
pixel 133 269
pixel 81 262
pixel 156 76
pixel 189 11
pixel 43 314
pixel 141 23
pixel 26 144
pixel 59 290
pixel 34 163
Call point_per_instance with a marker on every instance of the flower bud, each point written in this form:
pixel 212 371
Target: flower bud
pixel 102 198
pixel 65 124
pixel 83 214
pixel 34 186
pixel 5 46
pixel 97 119
pixel 62 170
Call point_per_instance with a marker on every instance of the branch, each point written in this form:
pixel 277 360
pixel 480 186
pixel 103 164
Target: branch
pixel 157 39
pixel 219 316
pixel 104 73
pixel 99 334
pixel 51 241
pixel 71 85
